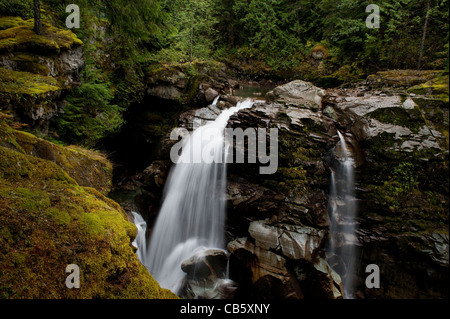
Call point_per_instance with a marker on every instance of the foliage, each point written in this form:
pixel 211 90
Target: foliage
pixel 89 116
pixel 20 8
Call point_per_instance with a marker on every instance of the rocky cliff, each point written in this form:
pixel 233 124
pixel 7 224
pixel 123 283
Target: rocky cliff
pixel 278 225
pixel 37 70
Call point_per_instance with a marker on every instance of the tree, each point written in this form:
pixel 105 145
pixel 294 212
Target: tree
pixel 37 17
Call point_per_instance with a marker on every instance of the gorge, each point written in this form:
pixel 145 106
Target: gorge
pixel 114 154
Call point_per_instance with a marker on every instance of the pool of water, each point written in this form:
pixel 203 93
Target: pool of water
pixel 254 91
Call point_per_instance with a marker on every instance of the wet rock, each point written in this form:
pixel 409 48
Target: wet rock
pixel 155 175
pixel 206 276
pixel 210 95
pixel 210 263
pixel 294 242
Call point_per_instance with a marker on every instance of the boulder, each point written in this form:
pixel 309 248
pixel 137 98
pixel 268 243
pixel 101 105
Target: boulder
pixel 165 92
pixel 297 93
pixel 210 95
pixel 207 273
pixel 207 264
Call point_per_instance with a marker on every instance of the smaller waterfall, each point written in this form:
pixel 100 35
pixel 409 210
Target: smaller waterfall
pixel 342 210
pixel 140 241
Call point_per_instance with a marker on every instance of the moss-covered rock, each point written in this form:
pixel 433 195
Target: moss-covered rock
pixel 87 168
pixel 48 221
pixel 437 88
pixel 36 70
pixel 21 37
pixel 400 78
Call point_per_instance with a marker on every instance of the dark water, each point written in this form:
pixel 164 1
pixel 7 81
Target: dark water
pixel 254 91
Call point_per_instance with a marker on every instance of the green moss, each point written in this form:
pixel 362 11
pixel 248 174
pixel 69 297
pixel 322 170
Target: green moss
pixel 15 83
pixel 22 38
pixel 86 167
pixel 47 223
pixel 10 22
pixel 411 119
pixel 437 87
pixel 30 63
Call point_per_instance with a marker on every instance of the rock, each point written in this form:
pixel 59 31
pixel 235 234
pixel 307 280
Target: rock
pixel 207 264
pixel 165 92
pixel 330 112
pixel 210 95
pixel 266 268
pixel 330 281
pixel 37 69
pixel 206 276
pixel 295 242
pixel 233 83
pixel 155 175
pixel 297 93
pixel 409 104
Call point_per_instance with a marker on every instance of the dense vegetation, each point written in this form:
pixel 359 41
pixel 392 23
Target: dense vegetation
pixel 276 36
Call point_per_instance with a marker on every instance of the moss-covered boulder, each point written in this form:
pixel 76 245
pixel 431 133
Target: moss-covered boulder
pixel 48 221
pixel 87 168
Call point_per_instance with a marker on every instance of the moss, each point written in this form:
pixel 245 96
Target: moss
pixel 47 223
pixel 30 63
pixel 411 119
pixel 86 167
pixel 10 22
pixel 17 83
pixel 320 48
pixel 23 38
pixel 437 87
pixel 401 78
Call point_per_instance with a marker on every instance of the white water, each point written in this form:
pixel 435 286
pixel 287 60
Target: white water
pixel 192 215
pixel 343 212
pixel 140 242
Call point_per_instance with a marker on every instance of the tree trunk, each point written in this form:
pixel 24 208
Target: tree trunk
pixel 37 17
pixel 424 35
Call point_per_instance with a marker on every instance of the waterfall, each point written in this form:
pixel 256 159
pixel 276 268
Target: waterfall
pixel 342 210
pixel 192 214
pixel 140 242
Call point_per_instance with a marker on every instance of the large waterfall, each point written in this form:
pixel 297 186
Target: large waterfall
pixel 342 208
pixel 192 215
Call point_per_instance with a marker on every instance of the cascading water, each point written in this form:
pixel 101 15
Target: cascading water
pixel 140 241
pixel 193 211
pixel 342 209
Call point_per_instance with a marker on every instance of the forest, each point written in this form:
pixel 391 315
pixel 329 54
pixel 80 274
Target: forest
pixel 274 38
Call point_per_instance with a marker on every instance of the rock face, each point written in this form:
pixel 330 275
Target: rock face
pixel 278 225
pixel 37 70
pixel 192 84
